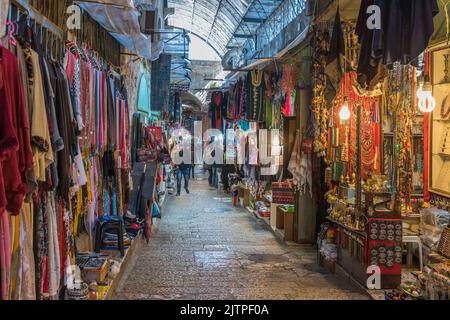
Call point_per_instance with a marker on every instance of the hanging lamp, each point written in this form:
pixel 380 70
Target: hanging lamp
pixel 427 103
pixel 345 114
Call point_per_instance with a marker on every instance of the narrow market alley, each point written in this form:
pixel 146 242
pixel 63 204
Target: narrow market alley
pixel 205 249
pixel 218 150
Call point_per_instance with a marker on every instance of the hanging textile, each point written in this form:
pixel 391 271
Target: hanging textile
pixel 334 68
pixel 294 166
pixel 63 144
pixel 406 28
pixel 15 147
pixel 216 108
pixel 234 110
pixel 40 134
pixel 65 119
pixel 25 286
pixel 254 99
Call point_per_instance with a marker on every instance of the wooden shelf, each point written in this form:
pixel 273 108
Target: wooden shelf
pixel 360 232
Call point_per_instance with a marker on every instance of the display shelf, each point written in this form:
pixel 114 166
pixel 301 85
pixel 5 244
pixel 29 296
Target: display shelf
pixel 391 135
pixel 360 232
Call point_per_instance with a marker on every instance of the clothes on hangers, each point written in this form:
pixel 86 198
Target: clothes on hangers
pixel 40 133
pixel 15 146
pixel 62 127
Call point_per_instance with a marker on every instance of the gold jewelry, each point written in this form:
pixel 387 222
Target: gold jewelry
pixel 257 77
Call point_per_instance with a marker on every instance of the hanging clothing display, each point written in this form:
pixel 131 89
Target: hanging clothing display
pixel 40 134
pixel 237 101
pixel 64 159
pixel 255 93
pixel 16 152
pixel 406 28
pixel 216 108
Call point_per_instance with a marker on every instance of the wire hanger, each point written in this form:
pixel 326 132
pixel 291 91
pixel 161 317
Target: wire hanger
pixel 11 32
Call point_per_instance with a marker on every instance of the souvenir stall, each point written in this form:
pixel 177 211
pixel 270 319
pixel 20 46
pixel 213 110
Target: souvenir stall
pixel 67 154
pixel 260 99
pixel 433 282
pixel 369 131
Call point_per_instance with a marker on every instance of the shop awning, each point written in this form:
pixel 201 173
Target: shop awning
pixel 121 19
pixel 294 44
pixel 258 64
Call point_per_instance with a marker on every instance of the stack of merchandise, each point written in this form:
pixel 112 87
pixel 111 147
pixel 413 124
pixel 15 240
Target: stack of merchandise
pixel 262 210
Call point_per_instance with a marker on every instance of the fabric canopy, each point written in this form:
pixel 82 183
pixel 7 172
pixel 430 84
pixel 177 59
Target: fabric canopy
pixel 121 19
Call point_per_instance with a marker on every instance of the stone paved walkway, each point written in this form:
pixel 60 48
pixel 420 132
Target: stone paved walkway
pixel 206 249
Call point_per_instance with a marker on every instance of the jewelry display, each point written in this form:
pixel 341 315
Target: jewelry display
pixel 446 69
pixel 319 104
pixel 257 77
pixel 446 142
pixel 440 124
pixel 445 108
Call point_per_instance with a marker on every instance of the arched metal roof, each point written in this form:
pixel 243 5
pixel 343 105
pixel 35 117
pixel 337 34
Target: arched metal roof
pixel 221 23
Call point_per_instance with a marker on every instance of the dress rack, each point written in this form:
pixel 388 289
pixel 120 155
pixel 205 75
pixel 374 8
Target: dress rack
pixel 50 35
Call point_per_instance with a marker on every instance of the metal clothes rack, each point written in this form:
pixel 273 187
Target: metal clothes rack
pixel 51 36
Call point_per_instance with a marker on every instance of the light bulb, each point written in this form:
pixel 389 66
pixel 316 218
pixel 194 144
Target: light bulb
pixel 345 114
pixel 276 140
pixel 420 91
pixel 427 103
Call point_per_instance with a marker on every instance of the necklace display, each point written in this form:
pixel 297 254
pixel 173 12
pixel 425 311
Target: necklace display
pixel 319 104
pixel 368 156
pixel 257 78
pixel 345 152
pixel 446 143
pixel 403 133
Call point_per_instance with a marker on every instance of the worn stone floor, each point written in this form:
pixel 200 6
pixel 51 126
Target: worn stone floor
pixel 205 249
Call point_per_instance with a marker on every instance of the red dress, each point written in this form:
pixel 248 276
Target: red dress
pixel 15 148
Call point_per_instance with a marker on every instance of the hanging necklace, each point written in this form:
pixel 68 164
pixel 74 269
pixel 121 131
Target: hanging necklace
pixel 368 157
pixel 257 77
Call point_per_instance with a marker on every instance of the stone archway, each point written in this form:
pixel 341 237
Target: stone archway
pixel 188 100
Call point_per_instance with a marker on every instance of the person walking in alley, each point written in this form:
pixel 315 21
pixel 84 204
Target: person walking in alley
pixel 183 171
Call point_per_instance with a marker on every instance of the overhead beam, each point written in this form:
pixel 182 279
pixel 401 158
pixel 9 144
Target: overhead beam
pixel 243 36
pixel 253 20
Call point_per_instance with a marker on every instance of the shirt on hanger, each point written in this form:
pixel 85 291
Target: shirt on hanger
pixel 40 133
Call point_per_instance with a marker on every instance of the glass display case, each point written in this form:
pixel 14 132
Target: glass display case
pixel 440 123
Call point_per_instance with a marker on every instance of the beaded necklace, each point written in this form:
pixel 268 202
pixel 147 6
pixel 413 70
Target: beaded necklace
pixel 257 77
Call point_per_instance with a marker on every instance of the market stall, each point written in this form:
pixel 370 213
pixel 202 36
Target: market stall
pixel 375 122
pixel 70 146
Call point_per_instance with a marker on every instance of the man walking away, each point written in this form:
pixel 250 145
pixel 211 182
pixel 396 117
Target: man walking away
pixel 183 170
